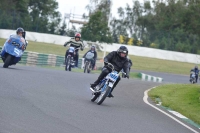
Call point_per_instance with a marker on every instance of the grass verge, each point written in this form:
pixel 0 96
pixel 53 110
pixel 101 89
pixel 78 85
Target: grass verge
pixel 139 63
pixel 183 98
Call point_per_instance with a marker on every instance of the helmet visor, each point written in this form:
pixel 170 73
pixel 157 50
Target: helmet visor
pixel 125 52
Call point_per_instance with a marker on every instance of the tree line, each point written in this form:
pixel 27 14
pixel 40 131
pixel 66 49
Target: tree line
pixel 33 15
pixel 164 24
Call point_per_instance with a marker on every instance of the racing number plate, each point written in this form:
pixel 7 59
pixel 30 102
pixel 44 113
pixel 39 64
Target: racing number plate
pixel 16 51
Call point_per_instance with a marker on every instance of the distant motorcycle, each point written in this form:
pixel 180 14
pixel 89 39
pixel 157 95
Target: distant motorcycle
pixel 193 77
pixel 103 89
pixel 12 50
pixel 88 62
pixel 70 62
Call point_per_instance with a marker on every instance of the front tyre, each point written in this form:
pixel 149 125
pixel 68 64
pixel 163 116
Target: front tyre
pixel 67 66
pixel 85 67
pixel 103 95
pixel 89 67
pixel 7 61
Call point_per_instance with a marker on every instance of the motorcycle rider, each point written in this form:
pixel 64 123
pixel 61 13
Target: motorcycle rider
pixel 119 60
pixel 20 33
pixel 92 50
pixel 75 42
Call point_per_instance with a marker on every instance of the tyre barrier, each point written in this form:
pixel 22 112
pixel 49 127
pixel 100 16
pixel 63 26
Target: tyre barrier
pixel 146 77
pixel 38 59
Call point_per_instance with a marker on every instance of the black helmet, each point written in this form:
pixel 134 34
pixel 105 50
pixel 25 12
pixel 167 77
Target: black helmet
pixel 21 30
pixel 122 49
pixel 93 48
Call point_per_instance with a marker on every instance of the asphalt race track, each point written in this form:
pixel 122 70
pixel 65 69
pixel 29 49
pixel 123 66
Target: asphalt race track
pixel 38 100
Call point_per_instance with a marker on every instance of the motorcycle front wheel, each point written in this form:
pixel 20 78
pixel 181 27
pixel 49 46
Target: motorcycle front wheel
pixel 85 67
pixel 7 61
pixel 103 95
pixel 89 67
pixel 68 62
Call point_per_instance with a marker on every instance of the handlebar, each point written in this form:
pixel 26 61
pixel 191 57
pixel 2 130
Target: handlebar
pixel 109 65
pixel 112 67
pixel 123 72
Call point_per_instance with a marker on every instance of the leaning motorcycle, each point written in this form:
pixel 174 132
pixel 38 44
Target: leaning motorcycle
pixel 103 89
pixel 88 62
pixel 12 50
pixel 69 62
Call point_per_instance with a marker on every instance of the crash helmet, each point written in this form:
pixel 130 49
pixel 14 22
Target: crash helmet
pixel 21 30
pixel 93 49
pixel 121 51
pixel 77 35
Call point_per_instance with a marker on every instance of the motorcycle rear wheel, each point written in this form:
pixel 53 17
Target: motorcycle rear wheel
pixel 94 97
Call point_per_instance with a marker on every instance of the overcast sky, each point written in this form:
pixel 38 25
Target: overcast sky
pixel 78 6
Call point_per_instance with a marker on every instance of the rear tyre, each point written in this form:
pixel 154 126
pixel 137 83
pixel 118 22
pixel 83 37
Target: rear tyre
pixel 7 61
pixel 103 95
pixel 94 97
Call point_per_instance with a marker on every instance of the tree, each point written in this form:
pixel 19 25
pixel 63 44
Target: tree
pixel 14 15
pixel 126 23
pixel 43 13
pixel 71 32
pixel 32 15
pixel 62 30
pixel 96 29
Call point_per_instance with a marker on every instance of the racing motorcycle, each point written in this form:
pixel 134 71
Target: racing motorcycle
pixel 192 77
pixel 70 62
pixel 12 50
pixel 103 89
pixel 88 62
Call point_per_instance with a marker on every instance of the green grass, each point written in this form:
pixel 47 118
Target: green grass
pixel 139 63
pixel 183 98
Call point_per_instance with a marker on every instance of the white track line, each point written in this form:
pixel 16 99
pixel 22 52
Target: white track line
pixel 146 101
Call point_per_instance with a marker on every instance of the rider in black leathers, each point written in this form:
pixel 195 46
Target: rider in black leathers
pixel 75 42
pixel 119 60
pixel 93 50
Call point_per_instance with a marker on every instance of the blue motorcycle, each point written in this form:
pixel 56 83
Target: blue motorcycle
pixel 103 89
pixel 12 50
